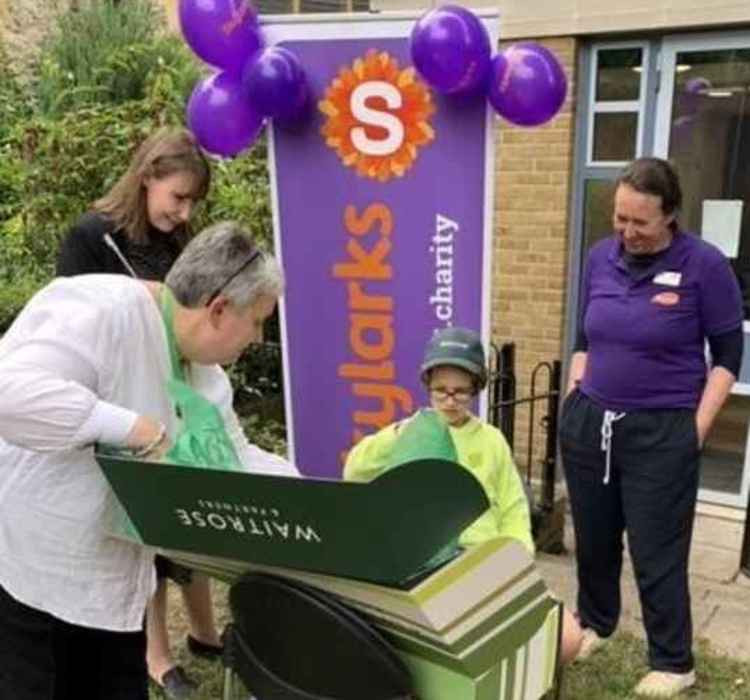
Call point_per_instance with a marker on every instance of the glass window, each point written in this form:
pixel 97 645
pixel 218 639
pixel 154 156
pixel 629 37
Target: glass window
pixel 618 74
pixel 616 91
pixel 597 211
pixel 274 7
pixel 323 5
pixel 615 135
pixel 709 140
pixel 723 455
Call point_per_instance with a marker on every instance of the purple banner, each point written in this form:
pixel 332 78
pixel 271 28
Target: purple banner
pixel 380 215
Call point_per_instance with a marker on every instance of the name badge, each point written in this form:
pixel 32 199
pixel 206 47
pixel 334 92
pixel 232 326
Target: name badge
pixel 668 279
pixel 666 299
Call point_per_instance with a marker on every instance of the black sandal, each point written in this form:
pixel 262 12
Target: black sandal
pixel 203 650
pixel 177 685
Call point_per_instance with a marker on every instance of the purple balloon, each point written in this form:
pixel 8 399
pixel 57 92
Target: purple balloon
pixel 693 91
pixel 527 84
pixel 224 33
pixel 220 116
pixel 450 47
pixel 275 83
pixel 696 86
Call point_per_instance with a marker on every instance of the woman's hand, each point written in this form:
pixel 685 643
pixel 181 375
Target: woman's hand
pixel 715 393
pixel 148 439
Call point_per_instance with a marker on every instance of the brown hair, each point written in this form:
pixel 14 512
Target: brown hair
pixel 656 177
pixel 164 153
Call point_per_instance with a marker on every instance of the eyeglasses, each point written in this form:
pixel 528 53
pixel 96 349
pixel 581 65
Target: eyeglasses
pixel 226 282
pixel 461 395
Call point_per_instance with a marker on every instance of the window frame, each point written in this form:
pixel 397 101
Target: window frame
pixel 595 107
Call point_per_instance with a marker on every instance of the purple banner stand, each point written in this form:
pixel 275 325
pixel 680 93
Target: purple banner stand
pixel 382 216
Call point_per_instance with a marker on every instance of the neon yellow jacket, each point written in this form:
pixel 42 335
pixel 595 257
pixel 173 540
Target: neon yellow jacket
pixel 483 450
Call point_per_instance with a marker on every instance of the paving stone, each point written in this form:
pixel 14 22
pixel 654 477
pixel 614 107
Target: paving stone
pixel 720 593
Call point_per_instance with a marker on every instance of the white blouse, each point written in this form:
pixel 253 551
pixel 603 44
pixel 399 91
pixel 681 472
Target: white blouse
pixel 82 361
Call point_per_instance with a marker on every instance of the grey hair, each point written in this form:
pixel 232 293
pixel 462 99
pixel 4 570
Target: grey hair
pixel 213 261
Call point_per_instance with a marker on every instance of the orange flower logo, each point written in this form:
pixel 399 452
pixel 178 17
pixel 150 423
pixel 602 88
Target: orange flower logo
pixel 377 116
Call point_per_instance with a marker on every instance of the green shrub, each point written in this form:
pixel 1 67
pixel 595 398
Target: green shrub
pixel 101 52
pixel 12 179
pixel 125 74
pixel 257 377
pixel 240 190
pixel 15 105
pixel 69 162
pixel 13 298
pixel 266 433
pixel 19 278
pixel 107 80
pixel 63 165
pixel 15 108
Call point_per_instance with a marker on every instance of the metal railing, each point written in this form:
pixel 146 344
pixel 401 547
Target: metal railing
pixel 502 405
pixel 547 515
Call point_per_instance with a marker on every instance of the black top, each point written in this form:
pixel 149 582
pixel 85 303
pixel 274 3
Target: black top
pixel 84 250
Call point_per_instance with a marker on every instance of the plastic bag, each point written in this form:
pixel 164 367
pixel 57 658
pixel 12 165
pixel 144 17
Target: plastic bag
pixel 425 436
pixel 202 439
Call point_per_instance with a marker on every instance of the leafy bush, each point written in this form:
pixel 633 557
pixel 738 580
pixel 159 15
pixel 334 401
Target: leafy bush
pixel 19 278
pixel 266 433
pixel 15 108
pixel 101 52
pixel 240 191
pixel 15 105
pixel 126 73
pixel 107 79
pixel 258 380
pixel 13 297
pixel 60 166
pixel 69 162
pixel 106 82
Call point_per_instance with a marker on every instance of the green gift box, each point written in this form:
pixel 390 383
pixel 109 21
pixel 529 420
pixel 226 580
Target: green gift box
pixel 481 626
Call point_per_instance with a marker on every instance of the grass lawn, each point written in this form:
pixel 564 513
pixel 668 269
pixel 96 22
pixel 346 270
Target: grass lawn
pixel 610 674
pixel 613 671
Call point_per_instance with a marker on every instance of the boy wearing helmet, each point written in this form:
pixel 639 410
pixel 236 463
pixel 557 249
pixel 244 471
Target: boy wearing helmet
pixel 454 372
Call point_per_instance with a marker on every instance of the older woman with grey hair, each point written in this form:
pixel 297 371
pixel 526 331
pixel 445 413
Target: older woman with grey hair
pixel 87 361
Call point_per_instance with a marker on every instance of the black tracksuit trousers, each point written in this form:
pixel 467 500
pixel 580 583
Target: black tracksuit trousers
pixel 651 493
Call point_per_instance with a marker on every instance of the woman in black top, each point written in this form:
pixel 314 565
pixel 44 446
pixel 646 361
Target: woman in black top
pixel 139 228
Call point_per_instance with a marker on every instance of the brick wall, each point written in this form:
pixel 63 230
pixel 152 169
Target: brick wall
pixel 530 244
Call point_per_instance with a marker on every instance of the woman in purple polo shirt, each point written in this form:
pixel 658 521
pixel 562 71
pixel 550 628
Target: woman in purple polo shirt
pixel 641 400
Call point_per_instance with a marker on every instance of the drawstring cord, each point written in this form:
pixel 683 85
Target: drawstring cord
pixel 609 418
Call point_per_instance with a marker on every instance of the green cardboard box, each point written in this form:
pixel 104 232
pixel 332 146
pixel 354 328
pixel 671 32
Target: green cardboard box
pixel 387 530
pixel 481 626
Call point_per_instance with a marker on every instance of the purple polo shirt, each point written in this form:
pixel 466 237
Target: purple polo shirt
pixel 646 339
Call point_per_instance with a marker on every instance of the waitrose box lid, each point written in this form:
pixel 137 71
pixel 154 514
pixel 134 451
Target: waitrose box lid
pixel 391 530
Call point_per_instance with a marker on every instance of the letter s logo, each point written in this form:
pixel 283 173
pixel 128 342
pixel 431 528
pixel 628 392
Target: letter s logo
pixel 377 116
pixel 374 117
